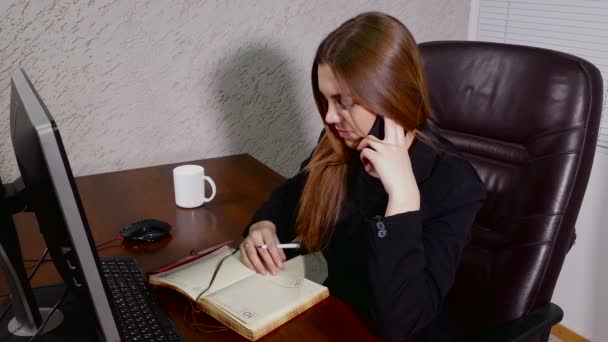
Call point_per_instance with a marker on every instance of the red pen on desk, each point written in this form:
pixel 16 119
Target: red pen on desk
pixel 190 258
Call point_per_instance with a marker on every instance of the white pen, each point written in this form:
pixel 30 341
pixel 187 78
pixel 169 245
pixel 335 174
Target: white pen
pixel 281 245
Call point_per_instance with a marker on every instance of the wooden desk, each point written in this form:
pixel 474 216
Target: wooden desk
pixel 112 200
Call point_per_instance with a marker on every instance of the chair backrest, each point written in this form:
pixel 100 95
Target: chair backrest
pixel 527 119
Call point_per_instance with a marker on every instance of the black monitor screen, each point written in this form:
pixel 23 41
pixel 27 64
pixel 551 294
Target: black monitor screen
pixel 52 194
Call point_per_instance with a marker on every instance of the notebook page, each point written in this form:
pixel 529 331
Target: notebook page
pixel 194 277
pixel 259 299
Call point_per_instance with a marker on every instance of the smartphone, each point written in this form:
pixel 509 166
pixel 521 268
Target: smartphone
pixel 377 129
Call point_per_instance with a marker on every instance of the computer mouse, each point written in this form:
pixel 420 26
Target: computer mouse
pixel 148 230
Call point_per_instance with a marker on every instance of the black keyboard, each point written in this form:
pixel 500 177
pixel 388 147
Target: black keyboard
pixel 140 316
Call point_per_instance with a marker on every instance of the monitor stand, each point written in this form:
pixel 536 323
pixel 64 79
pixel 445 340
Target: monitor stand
pixel 73 321
pixel 78 325
pixel 27 316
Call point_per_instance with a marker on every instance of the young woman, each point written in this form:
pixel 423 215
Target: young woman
pixel 389 202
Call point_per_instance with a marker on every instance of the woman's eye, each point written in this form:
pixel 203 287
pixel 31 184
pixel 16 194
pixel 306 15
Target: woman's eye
pixel 341 105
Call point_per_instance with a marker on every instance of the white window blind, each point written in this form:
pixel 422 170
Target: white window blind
pixel 578 27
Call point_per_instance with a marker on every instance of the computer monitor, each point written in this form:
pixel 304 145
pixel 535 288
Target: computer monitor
pixel 52 194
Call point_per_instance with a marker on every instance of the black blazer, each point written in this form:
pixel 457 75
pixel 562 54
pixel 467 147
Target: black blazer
pixel 395 270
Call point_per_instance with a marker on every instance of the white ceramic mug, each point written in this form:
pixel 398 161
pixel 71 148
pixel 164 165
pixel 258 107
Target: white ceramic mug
pixel 189 185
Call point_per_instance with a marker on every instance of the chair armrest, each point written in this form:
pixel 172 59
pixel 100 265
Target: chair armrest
pixel 538 322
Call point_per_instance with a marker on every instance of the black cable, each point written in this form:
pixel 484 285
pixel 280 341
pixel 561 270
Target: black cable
pixel 65 293
pixel 40 261
pixel 33 272
pixel 43 260
pixel 109 242
pixel 98 246
pixel 29 277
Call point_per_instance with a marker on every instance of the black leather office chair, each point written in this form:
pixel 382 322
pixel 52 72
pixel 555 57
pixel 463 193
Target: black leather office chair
pixel 527 119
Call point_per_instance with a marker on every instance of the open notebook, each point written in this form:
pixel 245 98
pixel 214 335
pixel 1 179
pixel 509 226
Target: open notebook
pixel 249 303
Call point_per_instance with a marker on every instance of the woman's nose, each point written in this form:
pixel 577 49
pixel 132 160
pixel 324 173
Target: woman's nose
pixel 332 116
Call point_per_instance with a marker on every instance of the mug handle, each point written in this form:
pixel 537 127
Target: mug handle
pixel 212 183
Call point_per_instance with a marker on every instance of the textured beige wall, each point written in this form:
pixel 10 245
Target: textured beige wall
pixel 139 83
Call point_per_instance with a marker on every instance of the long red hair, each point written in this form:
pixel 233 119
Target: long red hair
pixel 375 58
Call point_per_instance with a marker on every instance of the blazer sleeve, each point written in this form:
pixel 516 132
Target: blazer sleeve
pixel 412 262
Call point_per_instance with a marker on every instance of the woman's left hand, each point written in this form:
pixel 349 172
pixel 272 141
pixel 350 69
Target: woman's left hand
pixel 389 160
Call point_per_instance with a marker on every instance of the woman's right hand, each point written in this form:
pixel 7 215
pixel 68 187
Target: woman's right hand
pixel 262 260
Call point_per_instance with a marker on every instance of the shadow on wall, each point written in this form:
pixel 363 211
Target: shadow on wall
pixel 263 116
pixel 261 112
